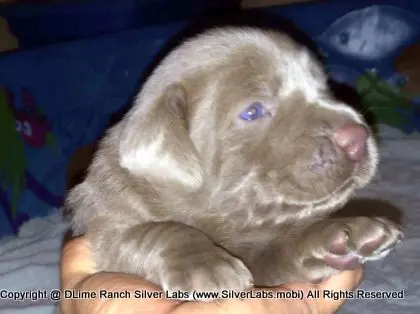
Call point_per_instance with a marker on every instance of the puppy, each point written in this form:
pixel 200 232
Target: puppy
pixel 224 173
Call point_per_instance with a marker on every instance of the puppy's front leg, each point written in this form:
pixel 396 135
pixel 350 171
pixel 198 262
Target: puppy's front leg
pixel 173 255
pixel 338 244
pixel 324 248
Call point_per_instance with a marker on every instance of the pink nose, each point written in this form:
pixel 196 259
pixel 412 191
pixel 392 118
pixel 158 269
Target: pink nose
pixel 352 139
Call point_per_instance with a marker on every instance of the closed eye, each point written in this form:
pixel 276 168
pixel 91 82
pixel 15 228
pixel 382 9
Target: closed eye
pixel 254 111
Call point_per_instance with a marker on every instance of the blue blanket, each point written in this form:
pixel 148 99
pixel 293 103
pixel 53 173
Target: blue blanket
pixel 59 91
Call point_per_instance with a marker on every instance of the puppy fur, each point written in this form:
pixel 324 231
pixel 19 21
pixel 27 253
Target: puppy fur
pixel 189 196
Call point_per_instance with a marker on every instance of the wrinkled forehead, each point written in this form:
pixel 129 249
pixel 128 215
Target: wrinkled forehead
pixel 275 75
pixel 275 71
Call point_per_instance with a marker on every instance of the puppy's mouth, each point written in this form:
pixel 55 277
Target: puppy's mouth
pixel 339 195
pixel 334 171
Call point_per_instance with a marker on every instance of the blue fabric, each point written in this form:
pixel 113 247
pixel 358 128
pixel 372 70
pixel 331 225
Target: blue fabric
pixel 36 24
pixel 60 97
pixel 324 22
pixel 77 86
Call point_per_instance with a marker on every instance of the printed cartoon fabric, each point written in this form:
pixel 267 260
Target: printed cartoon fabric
pixel 21 130
pixel 56 99
pixel 383 44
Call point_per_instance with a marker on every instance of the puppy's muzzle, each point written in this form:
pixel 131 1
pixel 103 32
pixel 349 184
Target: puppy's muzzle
pixel 349 141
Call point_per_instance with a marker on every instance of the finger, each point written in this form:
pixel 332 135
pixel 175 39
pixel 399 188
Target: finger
pixel 345 281
pixel 120 292
pixel 76 262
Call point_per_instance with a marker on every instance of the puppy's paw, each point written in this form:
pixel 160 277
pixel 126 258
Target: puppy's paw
pixel 348 243
pixel 202 276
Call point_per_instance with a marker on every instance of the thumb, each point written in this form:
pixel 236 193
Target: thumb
pixel 340 283
pixel 344 281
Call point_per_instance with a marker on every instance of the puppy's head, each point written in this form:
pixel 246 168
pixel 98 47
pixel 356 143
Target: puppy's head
pixel 247 113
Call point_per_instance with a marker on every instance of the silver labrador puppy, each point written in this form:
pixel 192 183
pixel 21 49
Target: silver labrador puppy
pixel 226 169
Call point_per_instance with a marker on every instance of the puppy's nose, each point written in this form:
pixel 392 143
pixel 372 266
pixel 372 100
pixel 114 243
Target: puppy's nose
pixel 352 139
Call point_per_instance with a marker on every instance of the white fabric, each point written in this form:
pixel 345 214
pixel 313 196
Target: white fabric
pixel 30 261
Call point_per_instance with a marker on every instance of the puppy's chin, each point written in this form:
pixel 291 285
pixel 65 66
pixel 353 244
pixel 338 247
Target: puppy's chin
pixel 338 197
pixel 329 204
pixel 341 194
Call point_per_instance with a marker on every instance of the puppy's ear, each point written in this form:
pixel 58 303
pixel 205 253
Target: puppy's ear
pixel 155 142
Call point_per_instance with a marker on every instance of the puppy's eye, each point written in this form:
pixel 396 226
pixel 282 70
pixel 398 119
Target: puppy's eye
pixel 254 111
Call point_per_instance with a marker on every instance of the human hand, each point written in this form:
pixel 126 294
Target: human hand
pixel 78 273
